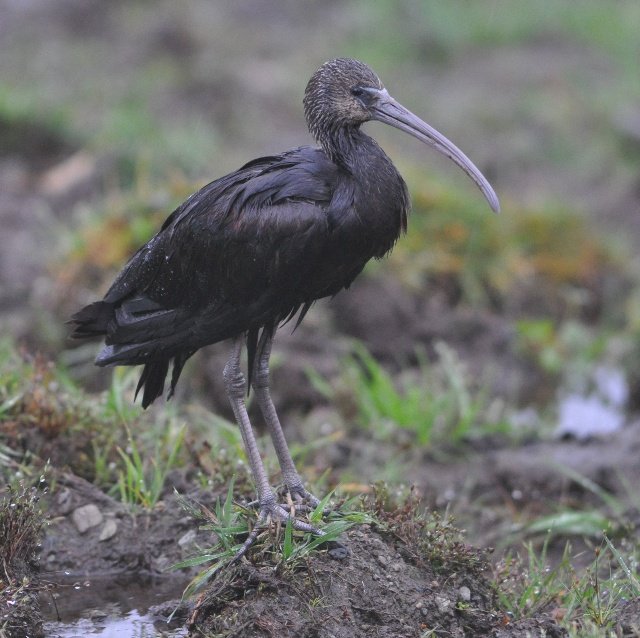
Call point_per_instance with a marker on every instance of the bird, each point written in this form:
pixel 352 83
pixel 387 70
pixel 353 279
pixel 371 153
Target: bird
pixel 256 248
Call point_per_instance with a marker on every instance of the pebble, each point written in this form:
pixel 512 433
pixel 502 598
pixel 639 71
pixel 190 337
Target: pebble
pixel 109 530
pixel 187 538
pixel 464 594
pixel 161 563
pixel 339 552
pixel 444 604
pixel 64 501
pixel 86 517
pixel 383 560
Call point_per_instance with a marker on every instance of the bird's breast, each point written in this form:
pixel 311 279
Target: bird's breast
pixel 380 208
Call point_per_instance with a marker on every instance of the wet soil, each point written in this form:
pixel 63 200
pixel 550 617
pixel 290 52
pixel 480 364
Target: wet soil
pixel 117 540
pixel 379 589
pixel 384 586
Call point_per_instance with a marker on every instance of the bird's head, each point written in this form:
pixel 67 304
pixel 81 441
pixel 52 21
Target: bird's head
pixel 345 93
pixel 340 94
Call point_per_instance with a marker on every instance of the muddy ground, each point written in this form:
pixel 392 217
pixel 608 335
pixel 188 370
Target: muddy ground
pixel 50 176
pixel 384 587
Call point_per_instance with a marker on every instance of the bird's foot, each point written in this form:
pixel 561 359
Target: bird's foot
pixel 296 498
pixel 303 500
pixel 270 509
pixel 300 495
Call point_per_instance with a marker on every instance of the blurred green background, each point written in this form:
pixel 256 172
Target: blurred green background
pixel 111 113
pixel 492 361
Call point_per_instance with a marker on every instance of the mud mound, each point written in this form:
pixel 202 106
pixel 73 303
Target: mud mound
pixel 380 589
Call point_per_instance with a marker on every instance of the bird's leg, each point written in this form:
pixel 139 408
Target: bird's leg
pixel 236 387
pixel 260 385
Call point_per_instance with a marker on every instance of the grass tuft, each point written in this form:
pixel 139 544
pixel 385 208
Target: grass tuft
pixel 584 603
pixel 21 522
pixel 437 405
pixel 278 545
pixel 140 483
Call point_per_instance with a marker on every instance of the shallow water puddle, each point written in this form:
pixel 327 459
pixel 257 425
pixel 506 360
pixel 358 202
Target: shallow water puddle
pixel 111 606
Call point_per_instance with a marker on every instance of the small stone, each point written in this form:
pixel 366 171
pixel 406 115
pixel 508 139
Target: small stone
pixel 419 605
pixel 64 501
pixel 161 563
pixel 86 517
pixel 444 604
pixel 187 538
pixel 383 560
pixel 109 530
pixel 464 594
pixel 338 552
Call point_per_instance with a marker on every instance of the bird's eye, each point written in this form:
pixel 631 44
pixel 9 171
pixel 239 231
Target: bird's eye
pixel 362 95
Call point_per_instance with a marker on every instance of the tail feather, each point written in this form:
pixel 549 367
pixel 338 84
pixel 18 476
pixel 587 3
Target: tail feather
pixel 153 378
pixel 92 320
pixel 152 381
pixel 96 320
pixel 178 364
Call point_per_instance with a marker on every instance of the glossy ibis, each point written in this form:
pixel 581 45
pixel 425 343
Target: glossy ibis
pixel 257 247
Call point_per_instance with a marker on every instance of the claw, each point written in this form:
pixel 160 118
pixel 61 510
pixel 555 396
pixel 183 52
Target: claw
pixel 298 499
pixel 273 510
pixel 305 499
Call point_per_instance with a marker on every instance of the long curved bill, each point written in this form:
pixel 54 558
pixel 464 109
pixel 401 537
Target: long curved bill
pixel 386 109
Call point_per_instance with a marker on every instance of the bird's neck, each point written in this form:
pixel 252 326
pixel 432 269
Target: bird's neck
pixel 344 145
pixel 383 200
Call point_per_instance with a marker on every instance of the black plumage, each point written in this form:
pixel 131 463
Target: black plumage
pixel 251 250
pixel 245 252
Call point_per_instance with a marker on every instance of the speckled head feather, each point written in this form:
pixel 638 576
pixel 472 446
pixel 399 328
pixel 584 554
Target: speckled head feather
pixel 329 101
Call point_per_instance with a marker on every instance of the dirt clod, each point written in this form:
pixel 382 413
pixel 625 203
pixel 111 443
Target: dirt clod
pixel 352 598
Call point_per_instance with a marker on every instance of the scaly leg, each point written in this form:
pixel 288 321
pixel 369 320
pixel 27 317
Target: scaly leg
pixel 236 387
pixel 260 385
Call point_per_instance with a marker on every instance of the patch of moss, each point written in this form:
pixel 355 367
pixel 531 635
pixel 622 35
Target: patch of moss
pixel 426 537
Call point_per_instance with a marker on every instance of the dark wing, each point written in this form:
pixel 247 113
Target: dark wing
pixel 216 245
pixel 231 259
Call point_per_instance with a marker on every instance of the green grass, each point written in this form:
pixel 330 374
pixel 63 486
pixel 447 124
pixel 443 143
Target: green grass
pixel 140 483
pixel 609 517
pixel 279 544
pixel 586 599
pixel 41 408
pixel 437 404
pixel 38 402
pixel 585 602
